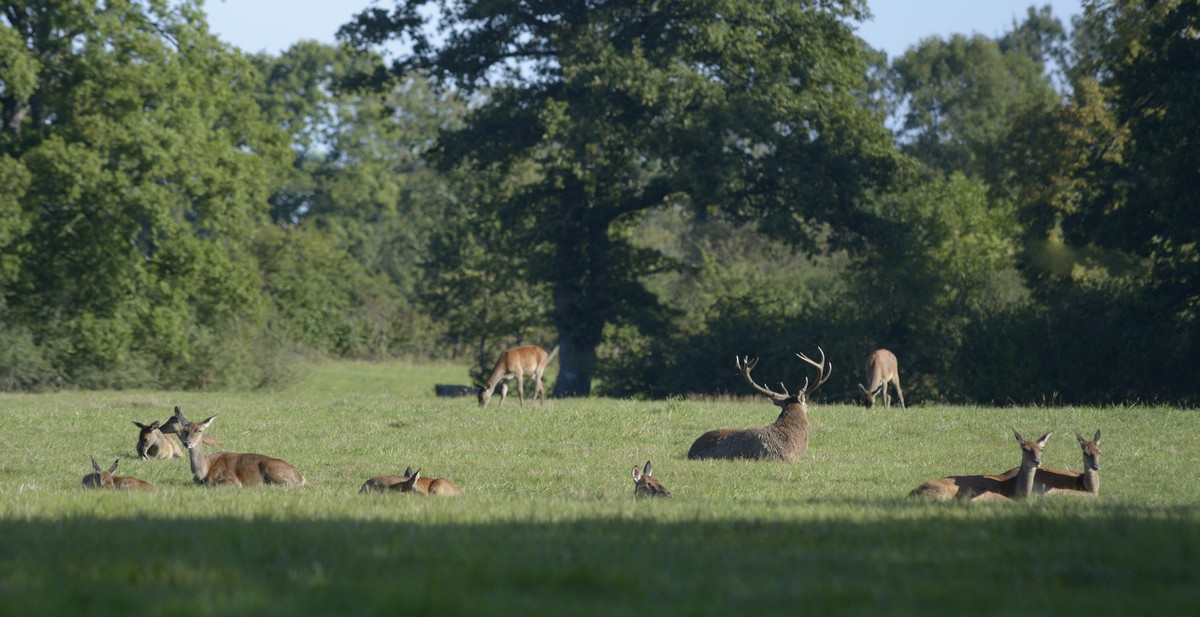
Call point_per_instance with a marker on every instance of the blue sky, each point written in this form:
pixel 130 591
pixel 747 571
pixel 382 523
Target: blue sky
pixel 273 25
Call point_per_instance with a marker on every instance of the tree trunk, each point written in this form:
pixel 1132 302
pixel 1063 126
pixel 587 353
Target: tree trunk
pixel 575 365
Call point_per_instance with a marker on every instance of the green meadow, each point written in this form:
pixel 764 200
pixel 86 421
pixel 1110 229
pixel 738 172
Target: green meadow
pixel 549 525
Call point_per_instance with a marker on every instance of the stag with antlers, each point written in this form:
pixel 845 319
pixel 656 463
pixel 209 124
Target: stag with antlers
pixel 786 439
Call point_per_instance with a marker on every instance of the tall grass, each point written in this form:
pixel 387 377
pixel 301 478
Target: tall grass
pixel 549 524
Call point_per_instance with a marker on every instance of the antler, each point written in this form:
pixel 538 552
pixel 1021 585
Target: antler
pixel 745 365
pixel 823 372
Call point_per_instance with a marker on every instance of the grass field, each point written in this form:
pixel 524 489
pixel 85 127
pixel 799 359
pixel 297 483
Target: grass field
pixel 549 525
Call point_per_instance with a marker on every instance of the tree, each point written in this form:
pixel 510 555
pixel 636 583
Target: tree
pixel 146 167
pixel 746 106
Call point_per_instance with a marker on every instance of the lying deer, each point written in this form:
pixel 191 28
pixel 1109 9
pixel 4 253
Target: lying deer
pixel 106 480
pixel 380 484
pixel 784 440
pixel 1013 484
pixel 426 486
pixel 882 369
pixel 1064 481
pixel 152 443
pixel 517 363
pixel 231 468
pixel 646 485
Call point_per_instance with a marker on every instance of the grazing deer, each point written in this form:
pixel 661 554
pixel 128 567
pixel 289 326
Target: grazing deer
pixel 106 480
pixel 882 369
pixel 517 363
pixel 646 485
pixel 381 484
pixel 231 468
pixel 784 440
pixel 152 443
pixel 171 427
pixel 426 486
pixel 1013 484
pixel 1064 481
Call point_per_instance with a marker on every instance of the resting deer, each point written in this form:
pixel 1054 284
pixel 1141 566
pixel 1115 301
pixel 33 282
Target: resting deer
pixel 517 363
pixel 784 440
pixel 882 369
pixel 106 480
pixel 231 468
pixel 1013 484
pixel 152 443
pixel 646 485
pixel 1064 481
pixel 171 427
pixel 426 486
pixel 380 484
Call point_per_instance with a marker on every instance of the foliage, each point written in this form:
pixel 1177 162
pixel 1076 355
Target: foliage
pixel 143 165
pixel 621 105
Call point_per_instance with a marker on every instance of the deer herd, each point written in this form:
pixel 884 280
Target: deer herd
pixel 786 439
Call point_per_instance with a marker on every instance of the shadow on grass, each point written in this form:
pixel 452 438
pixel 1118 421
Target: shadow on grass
pixel 1109 561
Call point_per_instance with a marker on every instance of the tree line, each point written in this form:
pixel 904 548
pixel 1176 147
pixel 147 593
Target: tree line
pixel 656 187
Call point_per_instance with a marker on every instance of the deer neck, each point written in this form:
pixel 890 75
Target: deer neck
pixel 794 418
pixel 1023 486
pixel 199 461
pixel 1090 480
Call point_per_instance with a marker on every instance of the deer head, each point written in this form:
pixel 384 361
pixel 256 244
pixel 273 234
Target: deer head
pixel 646 485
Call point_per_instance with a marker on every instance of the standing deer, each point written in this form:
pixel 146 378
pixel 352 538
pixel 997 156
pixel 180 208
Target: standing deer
pixel 646 485
pixel 231 468
pixel 1064 481
pixel 784 440
pixel 426 486
pixel 1015 483
pixel 882 369
pixel 152 443
pixel 104 479
pixel 517 363
pixel 380 484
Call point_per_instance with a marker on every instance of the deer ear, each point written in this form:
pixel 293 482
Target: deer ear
pixel 206 423
pixel 1020 439
pixel 113 469
pixel 1097 438
pixel 95 466
pixel 637 474
pixel 154 425
pixel 138 424
pixel 408 472
pixel 1080 439
pixel 1044 438
pixel 648 470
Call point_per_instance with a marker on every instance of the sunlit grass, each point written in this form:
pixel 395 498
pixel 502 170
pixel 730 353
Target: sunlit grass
pixel 549 524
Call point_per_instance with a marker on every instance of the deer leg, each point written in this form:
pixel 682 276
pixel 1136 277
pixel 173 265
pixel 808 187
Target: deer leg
pixel 899 392
pixel 503 393
pixel 521 389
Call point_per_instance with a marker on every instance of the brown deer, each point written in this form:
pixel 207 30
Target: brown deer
pixel 646 485
pixel 1070 482
pixel 381 484
pixel 882 369
pixel 517 363
pixel 231 468
pixel 104 479
pixel 784 440
pixel 171 427
pixel 426 486
pixel 1013 484
pixel 153 444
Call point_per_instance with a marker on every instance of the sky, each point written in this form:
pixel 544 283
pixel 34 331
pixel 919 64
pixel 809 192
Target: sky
pixel 274 25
